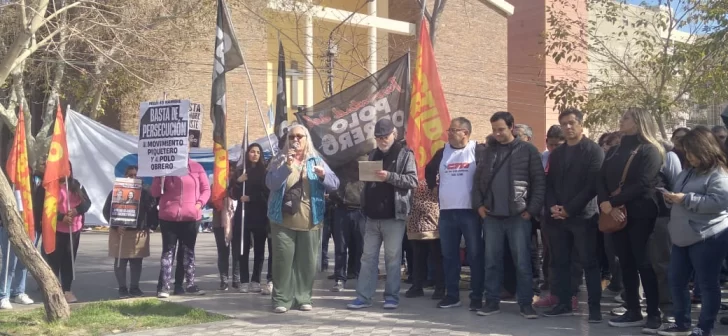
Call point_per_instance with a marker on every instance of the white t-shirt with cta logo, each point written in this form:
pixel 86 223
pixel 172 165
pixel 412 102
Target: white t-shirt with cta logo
pixel 457 170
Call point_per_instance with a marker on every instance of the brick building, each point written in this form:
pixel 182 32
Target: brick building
pixel 471 51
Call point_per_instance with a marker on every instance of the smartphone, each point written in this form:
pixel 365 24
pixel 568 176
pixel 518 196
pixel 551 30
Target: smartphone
pixel 662 190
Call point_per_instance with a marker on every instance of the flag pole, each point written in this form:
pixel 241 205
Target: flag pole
pixel 257 102
pixel 70 235
pixel 244 155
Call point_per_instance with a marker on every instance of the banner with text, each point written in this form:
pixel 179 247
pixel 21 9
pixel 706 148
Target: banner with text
pixel 195 125
pixel 163 138
pixel 342 126
pixel 125 202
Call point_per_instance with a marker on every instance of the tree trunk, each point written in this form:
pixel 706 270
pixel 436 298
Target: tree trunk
pixel 54 302
pixel 661 124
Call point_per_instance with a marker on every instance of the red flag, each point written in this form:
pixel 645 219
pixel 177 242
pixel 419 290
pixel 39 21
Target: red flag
pixel 429 118
pixel 57 168
pixel 19 173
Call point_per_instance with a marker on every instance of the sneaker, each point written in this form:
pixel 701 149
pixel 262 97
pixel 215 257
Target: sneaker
pixel 267 289
pixel 245 288
pixel 608 292
pixel 70 298
pixel 548 301
pixel 339 286
pixel 194 290
pixel 449 302
pixel 699 332
pixel 163 294
pixel 528 312
pixel 23 299
pixel 559 310
pixel 136 292
pixel 305 307
pixel 595 315
pixel 390 304
pixel 476 305
pixel 178 291
pixel 438 294
pixel 5 304
pixel 358 304
pixel 223 286
pixel 255 287
pixel 123 293
pixel 652 326
pixel 574 303
pixel 671 329
pixel 619 311
pixel 280 310
pixel 414 292
pixel 629 319
pixel 491 308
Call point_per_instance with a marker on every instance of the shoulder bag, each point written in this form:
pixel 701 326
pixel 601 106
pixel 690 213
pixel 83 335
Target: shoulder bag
pixel 607 223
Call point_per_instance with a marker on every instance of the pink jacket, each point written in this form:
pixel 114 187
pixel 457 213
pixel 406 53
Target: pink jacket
pixel 181 194
pixel 63 209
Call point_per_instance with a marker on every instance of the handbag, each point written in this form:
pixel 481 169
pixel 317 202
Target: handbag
pixel 292 197
pixel 607 223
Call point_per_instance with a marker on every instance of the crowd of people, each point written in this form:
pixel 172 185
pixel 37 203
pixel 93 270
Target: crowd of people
pixel 626 210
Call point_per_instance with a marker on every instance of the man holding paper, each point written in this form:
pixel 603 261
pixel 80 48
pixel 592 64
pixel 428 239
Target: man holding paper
pixel 386 204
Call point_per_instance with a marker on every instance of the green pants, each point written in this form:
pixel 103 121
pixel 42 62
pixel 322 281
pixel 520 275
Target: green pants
pixel 294 265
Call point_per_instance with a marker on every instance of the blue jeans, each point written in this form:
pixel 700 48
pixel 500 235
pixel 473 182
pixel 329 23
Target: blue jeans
pixel 453 225
pixel 705 258
pixel 376 232
pixel 17 272
pixel 518 232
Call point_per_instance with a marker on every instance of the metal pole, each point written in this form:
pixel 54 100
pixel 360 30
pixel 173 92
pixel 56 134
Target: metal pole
pixel 260 110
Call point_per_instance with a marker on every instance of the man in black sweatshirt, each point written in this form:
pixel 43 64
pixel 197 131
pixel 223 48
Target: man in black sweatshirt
pixel 571 211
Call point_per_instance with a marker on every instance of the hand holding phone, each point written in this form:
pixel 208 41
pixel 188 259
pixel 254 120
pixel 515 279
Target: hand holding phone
pixel 662 190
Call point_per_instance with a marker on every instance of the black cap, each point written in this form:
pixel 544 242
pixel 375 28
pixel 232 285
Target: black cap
pixel 383 127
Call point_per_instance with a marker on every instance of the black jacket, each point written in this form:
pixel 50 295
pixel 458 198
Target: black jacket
pixel 148 217
pixel 256 210
pixel 638 192
pixel 528 183
pixel 572 184
pixel 433 167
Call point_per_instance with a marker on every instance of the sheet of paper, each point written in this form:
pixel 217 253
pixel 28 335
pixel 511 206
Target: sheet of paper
pixel 368 170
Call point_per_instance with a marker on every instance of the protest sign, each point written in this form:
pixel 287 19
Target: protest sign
pixel 163 138
pixel 125 202
pixel 342 126
pixel 195 125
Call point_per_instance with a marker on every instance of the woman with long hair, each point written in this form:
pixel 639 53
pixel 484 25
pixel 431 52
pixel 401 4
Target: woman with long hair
pixel 130 245
pixel 297 179
pixel 73 203
pixel 678 134
pixel 255 226
pixel 698 223
pixel 627 181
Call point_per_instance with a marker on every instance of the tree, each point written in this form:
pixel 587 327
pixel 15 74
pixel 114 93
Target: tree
pixel 433 16
pixel 661 56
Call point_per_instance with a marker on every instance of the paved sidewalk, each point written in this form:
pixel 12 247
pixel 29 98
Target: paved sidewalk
pixel 252 314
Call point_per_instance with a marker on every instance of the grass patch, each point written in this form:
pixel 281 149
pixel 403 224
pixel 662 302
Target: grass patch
pixel 100 318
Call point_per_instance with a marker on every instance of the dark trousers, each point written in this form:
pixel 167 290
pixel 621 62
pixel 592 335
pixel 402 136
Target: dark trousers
pixel 705 259
pixel 186 234
pixel 427 252
pixel 61 261
pixel 565 236
pixel 257 236
pixel 615 284
pixel 631 246
pixel 407 257
pixel 575 269
pixel 348 242
pixel 223 254
pixel 328 224
pixel 135 265
pixel 659 247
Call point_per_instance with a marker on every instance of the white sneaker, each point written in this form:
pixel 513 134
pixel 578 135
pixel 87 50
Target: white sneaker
pixel 267 289
pixel 5 304
pixel 280 310
pixel 245 288
pixel 254 287
pixel 23 299
pixel 306 307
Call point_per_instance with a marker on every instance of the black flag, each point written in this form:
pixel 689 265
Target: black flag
pixel 228 56
pixel 281 121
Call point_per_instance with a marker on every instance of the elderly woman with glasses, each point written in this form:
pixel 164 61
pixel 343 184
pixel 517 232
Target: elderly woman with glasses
pixel 297 179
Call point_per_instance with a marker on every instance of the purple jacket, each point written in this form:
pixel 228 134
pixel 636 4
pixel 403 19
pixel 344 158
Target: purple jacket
pixel 182 194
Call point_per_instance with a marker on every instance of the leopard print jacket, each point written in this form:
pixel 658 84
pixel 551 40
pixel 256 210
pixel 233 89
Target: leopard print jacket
pixel 422 222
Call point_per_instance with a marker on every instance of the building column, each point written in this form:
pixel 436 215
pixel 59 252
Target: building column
pixel 308 73
pixel 372 10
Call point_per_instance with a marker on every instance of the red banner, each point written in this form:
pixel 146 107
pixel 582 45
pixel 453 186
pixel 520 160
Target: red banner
pixel 57 168
pixel 19 173
pixel 428 118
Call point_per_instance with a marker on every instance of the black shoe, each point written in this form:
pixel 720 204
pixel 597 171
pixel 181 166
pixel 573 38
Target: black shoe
pixel 491 308
pixel 194 290
pixel 429 284
pixel 124 293
pixel 560 310
pixel 179 291
pixel 136 292
pixel 236 285
pixel 331 277
pixel 724 320
pixel 414 292
pixel 224 286
pixel 438 294
pixel 449 302
pixel 652 325
pixel 672 329
pixel 595 314
pixel 528 312
pixel 629 319
pixel 476 305
pixel 352 276
pixel 544 286
pixel 408 281
pixel 699 332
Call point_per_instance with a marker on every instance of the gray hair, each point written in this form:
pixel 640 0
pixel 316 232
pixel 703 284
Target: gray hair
pixel 526 130
pixel 310 152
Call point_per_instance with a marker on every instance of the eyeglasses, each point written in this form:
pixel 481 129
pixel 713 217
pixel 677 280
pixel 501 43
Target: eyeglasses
pixel 296 137
pixel 455 130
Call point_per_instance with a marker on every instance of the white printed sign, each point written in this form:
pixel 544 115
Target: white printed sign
pixel 164 138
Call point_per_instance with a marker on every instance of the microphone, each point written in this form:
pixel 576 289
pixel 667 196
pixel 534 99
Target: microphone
pixel 296 145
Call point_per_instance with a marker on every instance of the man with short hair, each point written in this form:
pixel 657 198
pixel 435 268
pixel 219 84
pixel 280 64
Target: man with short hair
pixel 523 132
pixel 572 214
pixel 386 205
pixel 721 133
pixel 508 190
pixel 456 164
